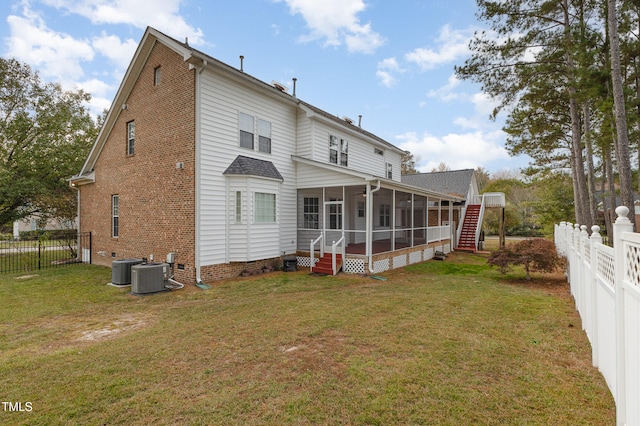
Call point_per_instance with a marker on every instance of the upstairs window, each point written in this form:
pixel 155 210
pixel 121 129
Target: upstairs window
pixel 246 131
pixel 338 151
pixel 157 73
pixel 131 137
pixel 264 136
pixel 389 171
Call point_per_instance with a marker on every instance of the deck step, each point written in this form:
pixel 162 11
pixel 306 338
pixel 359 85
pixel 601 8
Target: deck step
pixel 324 265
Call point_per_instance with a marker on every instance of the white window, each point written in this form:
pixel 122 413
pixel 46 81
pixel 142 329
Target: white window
pixel 344 152
pixel 338 151
pixel 333 149
pixel 389 171
pixel 115 216
pixel 246 123
pixel 156 76
pixel 311 212
pixel 265 207
pixel 131 136
pixel 238 207
pixel 264 136
pixel 378 151
pixel 385 215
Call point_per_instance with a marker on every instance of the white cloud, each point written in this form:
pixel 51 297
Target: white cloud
pixel 387 69
pixel 456 150
pixel 119 52
pixel 446 93
pixel 162 14
pixel 337 23
pixel 58 56
pixel 451 46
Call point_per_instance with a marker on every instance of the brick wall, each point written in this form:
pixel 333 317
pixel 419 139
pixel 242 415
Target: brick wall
pixel 157 199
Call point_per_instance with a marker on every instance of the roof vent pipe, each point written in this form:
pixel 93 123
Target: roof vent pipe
pixel 242 63
pixel 360 120
pixel 294 86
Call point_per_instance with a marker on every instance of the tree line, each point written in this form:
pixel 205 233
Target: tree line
pixel 45 135
pixel 567 76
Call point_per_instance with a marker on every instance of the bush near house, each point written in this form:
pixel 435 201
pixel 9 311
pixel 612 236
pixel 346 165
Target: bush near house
pixel 535 255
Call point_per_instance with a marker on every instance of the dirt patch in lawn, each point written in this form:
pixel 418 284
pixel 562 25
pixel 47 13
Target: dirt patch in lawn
pixel 65 331
pixel 115 327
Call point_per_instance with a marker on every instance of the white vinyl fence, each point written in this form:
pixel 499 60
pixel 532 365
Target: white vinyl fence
pixel 605 283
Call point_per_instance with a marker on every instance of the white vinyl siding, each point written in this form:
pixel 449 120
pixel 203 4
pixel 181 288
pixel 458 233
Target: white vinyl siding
pixel 221 240
pixel 358 153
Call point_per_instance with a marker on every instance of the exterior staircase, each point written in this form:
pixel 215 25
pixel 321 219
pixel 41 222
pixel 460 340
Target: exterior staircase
pixel 467 241
pixel 325 264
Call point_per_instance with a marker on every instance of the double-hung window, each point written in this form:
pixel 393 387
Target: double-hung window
pixel 131 137
pixel 334 146
pixel 264 136
pixel 115 216
pixel 344 152
pixel 385 215
pixel 338 151
pixel 265 207
pixel 311 212
pixel 389 171
pixel 246 123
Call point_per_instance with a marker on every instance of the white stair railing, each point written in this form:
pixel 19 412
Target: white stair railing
pixel 334 246
pixel 312 247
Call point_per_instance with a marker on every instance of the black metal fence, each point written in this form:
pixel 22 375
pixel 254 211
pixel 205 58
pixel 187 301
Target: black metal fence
pixel 47 250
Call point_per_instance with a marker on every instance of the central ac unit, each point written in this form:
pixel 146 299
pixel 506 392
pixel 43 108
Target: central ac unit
pixel 121 271
pixel 149 278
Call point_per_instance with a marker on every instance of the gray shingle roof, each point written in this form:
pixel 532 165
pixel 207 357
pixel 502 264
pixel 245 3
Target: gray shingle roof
pixel 455 182
pixel 253 167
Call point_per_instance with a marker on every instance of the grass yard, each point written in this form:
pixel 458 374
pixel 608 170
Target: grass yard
pixel 448 342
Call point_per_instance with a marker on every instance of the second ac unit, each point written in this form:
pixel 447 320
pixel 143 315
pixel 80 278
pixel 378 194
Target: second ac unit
pixel 149 278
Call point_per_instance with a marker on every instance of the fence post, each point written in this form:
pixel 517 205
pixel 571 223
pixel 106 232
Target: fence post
pixel 621 225
pixel 596 238
pixel 568 238
pixel 586 282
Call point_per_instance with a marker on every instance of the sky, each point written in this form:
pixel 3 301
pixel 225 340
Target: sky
pixel 390 61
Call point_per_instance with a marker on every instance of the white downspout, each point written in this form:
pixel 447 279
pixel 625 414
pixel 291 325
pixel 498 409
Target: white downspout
pixel 369 223
pixel 198 188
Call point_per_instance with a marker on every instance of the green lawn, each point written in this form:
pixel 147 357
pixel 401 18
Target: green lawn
pixel 448 342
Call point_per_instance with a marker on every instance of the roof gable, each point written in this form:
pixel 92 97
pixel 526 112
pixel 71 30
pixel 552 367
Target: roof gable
pixel 197 60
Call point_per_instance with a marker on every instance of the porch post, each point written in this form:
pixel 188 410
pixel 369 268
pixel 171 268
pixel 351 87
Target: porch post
pixel 451 228
pixel 413 209
pixel 324 217
pixel 393 220
pixel 368 206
